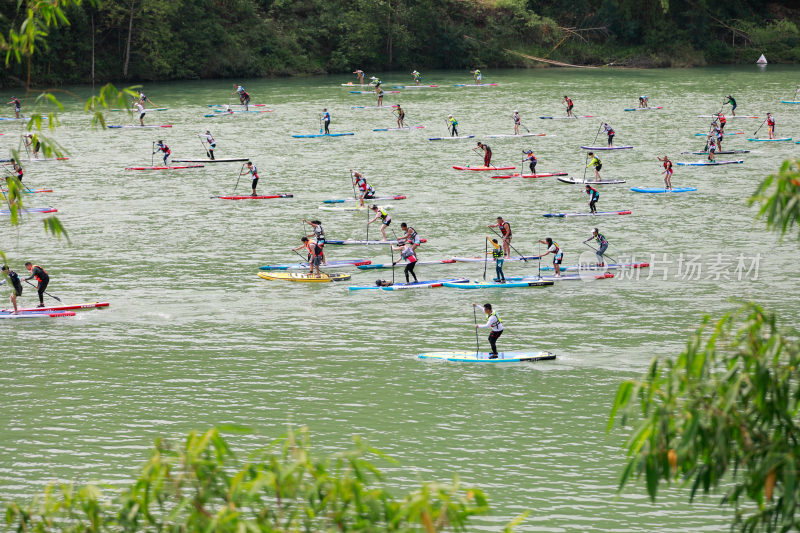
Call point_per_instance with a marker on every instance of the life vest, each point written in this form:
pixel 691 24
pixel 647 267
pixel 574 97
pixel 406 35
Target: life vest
pixel 569 102
pixel 601 239
pixel 505 229
pixel 497 253
pixel 593 193
pixel 34 267
pixel 499 324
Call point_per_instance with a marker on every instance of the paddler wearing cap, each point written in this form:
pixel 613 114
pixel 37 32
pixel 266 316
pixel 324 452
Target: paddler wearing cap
pixel 531 159
pixel 452 125
pixel 517 120
pixel 211 143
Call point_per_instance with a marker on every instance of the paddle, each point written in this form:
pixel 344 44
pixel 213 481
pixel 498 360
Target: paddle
pixel 604 255
pixel 475 317
pixel 755 132
pixel 56 298
pixel 153 154
pixel 353 183
pixel 586 159
pixel 512 246
pixel 300 255
pixel 485 257
pixel 524 126
pixel 539 251
pixel 237 179
pixel 320 124
pixel 391 251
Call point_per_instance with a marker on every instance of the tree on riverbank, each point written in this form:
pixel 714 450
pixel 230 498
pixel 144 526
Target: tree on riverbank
pixel 724 413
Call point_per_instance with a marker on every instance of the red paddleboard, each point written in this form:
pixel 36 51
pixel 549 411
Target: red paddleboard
pixel 542 175
pixel 258 197
pixel 164 168
pixel 457 167
pixel 92 305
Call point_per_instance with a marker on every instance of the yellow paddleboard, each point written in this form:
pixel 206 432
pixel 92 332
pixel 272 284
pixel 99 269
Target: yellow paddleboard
pixel 303 276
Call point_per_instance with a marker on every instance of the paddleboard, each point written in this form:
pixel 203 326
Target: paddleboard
pixel 236 105
pixel 256 197
pixel 220 160
pixel 564 277
pixel 303 277
pixel 656 190
pixel 373 92
pixel 728 117
pixel 341 263
pixel 770 140
pixel 540 175
pixel 357 241
pixel 498 285
pixel 599 213
pixel 568 118
pixel 241 111
pixel 510 259
pixel 28 191
pixel 37 315
pixel 179 167
pixel 575 181
pixel 356 207
pixel 7 212
pixel 351 84
pixel 475 85
pixel 708 163
pixel 136 126
pixel 430 284
pixel 789 102
pixel 612 266
pixel 483 357
pixel 457 138
pixel 389 265
pixel 415 86
pixel 406 128
pixel 719 152
pixel 59 308
pixel 643 108
pixel 501 135
pixel 373 106
pixel 43 159
pixel 458 167
pixel 366 200
pixel 315 135
pixel 607 148
pixel 146 109
pixel 725 133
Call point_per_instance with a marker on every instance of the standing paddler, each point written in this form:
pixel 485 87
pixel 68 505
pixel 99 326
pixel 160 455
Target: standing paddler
pixel 28 138
pixel 311 254
pixel 244 96
pixel 253 171
pixel 643 101
pixel 771 125
pixel 531 161
pixel 162 147
pixel 366 191
pixel 497 255
pixel 42 280
pixel 517 119
pixel 410 257
pixel 326 120
pixel 569 104
pixel 360 75
pixel 494 324
pixel 319 238
pixel 477 76
pixel 593 197
pixel 379 93
pixel 731 100
pixel 16 285
pixel 505 231
pixel 667 172
pixel 597 164
pixel 143 99
pixel 712 148
pixel 375 81
pixel 211 143
pixel 401 115
pixel 602 244
pixel 410 236
pixel 610 132
pixel 17 105
pixel 558 254
pixel 487 154
pixel 416 77
pixel 452 125
pixel 381 213
pixel 138 105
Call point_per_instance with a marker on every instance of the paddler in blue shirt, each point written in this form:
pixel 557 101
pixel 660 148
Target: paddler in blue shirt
pixel 602 244
pixel 161 147
pixel 494 323
pixel 326 120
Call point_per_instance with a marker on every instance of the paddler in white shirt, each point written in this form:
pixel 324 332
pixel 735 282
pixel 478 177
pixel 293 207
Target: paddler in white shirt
pixel 494 324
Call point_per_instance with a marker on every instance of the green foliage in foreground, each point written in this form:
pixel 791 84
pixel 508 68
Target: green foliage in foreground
pixel 725 412
pixel 201 485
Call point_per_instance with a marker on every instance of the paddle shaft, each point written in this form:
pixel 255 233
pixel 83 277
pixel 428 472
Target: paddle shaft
pixel 475 317
pixel 485 257
pixel 153 155
pixel 208 154
pixel 353 183
pixel 755 132
pixel 56 298
pixel 586 159
pixel 237 179
pixel 604 255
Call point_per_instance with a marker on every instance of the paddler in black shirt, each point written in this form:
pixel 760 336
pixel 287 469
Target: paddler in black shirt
pixel 16 285
pixel 41 277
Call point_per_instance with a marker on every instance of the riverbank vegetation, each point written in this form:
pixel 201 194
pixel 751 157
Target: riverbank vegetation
pixel 146 40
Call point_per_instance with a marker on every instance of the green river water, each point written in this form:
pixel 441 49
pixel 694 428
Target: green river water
pixel 193 338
